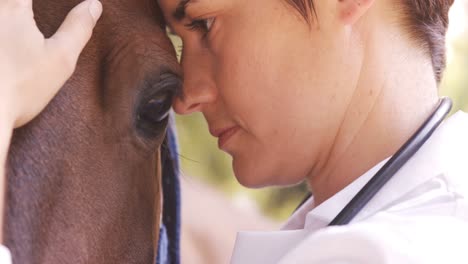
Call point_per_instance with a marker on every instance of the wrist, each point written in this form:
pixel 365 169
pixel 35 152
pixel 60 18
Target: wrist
pixel 7 121
pixel 6 129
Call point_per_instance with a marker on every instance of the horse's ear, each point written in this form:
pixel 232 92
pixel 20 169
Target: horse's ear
pixel 169 235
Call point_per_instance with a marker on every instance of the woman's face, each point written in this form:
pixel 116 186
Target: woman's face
pixel 272 88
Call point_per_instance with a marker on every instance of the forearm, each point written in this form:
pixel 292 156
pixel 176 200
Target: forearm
pixel 6 129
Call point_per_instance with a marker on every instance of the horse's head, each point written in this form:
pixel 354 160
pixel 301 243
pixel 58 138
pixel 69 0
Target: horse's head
pixel 84 176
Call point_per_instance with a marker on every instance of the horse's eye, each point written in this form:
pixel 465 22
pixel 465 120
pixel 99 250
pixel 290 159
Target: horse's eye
pixel 156 109
pixel 155 104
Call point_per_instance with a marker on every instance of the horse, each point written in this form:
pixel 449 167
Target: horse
pixel 84 177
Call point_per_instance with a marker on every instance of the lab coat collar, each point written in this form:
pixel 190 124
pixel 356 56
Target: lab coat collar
pixel 327 210
pixel 440 155
pixel 319 216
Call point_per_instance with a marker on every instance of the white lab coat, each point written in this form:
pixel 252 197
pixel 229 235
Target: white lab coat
pixel 419 216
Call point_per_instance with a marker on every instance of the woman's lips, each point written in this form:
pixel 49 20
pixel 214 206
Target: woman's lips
pixel 224 135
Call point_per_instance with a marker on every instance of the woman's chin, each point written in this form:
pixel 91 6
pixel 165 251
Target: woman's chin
pixel 253 176
pixel 248 176
pixel 250 182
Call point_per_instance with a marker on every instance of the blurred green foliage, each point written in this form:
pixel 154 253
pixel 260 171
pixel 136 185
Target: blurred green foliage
pixel 201 158
pixel 455 81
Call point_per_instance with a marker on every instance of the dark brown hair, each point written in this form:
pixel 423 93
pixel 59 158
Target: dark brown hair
pixel 425 20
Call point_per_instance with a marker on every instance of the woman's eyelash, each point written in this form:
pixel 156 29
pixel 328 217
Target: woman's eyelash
pixel 201 25
pixel 197 25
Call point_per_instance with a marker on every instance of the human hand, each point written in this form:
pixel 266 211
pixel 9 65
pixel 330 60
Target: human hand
pixel 32 68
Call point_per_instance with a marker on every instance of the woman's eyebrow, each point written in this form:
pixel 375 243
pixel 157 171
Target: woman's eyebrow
pixel 179 12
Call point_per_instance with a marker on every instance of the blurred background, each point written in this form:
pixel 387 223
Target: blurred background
pixel 209 184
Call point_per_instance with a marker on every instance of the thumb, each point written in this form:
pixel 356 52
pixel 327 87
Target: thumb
pixel 67 43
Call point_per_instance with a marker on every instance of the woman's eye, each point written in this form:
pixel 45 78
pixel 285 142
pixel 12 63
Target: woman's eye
pixel 201 25
pixel 209 22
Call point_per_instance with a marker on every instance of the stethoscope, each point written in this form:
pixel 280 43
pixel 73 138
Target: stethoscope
pixel 394 164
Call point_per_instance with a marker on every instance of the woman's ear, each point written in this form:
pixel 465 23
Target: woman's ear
pixel 349 11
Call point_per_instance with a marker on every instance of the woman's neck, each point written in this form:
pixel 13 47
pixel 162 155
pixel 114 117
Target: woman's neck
pixel 396 92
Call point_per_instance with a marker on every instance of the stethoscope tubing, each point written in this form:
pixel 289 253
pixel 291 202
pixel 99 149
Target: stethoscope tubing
pixel 394 164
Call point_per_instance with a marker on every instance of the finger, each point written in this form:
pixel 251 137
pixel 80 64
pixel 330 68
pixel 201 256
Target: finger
pixel 67 43
pixel 15 5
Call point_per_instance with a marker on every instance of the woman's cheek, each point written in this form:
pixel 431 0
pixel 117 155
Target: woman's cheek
pixel 216 36
pixel 226 61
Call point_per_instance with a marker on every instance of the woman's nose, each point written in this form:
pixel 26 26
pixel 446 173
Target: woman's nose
pixel 199 88
pixel 195 96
